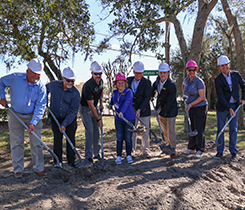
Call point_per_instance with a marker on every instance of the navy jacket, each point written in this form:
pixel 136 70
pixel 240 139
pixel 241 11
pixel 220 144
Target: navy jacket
pixel 142 96
pixel 223 91
pixel 166 100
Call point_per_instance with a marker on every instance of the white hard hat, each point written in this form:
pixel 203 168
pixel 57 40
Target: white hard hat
pixel 96 67
pixel 223 59
pixel 138 66
pixel 163 67
pixel 68 73
pixel 36 65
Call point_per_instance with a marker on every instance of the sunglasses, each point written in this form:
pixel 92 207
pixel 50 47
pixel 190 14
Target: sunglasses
pixel 68 80
pixel 95 73
pixel 191 69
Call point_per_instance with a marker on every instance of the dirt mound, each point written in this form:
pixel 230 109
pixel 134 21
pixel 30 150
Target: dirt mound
pixel 157 183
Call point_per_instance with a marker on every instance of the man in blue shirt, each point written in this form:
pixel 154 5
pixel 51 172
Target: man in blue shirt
pixel 28 101
pixel 64 103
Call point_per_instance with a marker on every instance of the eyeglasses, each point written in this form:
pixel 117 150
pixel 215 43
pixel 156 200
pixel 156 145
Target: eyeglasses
pixel 191 69
pixel 100 73
pixel 68 80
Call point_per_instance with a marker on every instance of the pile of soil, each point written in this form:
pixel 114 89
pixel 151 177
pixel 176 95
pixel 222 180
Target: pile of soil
pixel 157 183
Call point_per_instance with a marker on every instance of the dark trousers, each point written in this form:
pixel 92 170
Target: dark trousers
pixel 198 117
pixel 58 136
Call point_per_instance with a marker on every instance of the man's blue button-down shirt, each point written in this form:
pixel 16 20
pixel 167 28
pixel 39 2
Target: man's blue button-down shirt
pixel 25 97
pixel 63 103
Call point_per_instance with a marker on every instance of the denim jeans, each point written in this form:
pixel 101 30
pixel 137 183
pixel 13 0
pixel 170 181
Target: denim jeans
pixel 221 120
pixel 123 133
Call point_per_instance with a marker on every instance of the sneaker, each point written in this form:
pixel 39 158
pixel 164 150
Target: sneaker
pixel 41 173
pixel 18 175
pixel 218 155
pixel 118 160
pixel 72 165
pixel 234 158
pixel 129 159
pixel 199 154
pixel 189 151
pixel 97 157
pixel 88 162
pixel 147 155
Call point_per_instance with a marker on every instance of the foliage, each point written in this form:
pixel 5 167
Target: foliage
pixel 3 115
pixel 50 29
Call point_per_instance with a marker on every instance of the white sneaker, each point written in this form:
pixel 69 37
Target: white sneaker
pixel 189 151
pixel 199 154
pixel 129 159
pixel 118 160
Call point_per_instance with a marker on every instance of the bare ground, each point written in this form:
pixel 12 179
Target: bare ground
pixel 156 183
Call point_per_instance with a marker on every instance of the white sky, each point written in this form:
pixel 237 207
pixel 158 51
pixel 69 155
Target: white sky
pixel 82 68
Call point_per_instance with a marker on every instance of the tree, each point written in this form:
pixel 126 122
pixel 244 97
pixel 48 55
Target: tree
pixel 50 29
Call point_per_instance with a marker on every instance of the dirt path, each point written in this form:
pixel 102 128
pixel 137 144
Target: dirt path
pixel 156 183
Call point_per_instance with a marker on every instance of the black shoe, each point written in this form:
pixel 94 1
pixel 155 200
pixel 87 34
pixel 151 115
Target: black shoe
pixel 97 157
pixel 218 155
pixel 90 160
pixel 72 165
pixel 233 157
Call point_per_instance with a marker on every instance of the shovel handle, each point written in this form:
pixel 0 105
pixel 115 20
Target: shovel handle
pixel 129 123
pixel 101 136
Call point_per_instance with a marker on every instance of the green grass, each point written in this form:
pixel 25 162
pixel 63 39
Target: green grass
pixel 110 135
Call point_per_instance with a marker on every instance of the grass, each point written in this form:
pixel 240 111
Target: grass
pixel 109 133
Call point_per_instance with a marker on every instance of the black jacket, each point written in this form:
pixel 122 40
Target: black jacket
pixel 142 96
pixel 223 91
pixel 166 100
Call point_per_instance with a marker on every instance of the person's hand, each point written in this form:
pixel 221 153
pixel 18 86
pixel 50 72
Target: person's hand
pixel 31 128
pixel 158 117
pixel 232 113
pixel 152 99
pixel 3 102
pixel 243 102
pixel 184 97
pixel 138 112
pixel 62 128
pixel 110 106
pixel 101 107
pixel 100 123
pixel 188 107
pixel 120 115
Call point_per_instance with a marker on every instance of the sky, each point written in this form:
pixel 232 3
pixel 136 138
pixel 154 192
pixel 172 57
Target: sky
pixel 82 67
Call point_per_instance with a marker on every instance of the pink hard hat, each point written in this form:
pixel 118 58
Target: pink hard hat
pixel 120 76
pixel 190 64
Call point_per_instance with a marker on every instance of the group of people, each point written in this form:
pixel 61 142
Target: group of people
pixel 131 101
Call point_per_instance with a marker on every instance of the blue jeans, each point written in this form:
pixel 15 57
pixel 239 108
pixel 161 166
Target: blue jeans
pixel 221 120
pixel 123 133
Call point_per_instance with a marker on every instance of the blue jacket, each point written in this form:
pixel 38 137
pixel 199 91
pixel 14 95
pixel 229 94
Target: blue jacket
pixel 223 91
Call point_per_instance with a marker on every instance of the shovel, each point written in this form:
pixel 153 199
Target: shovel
pixel 129 123
pixel 156 141
pixel 46 147
pixel 217 144
pixel 101 137
pixel 158 121
pixel 190 133
pixel 67 138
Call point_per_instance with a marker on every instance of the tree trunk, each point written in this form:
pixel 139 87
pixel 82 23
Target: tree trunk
pixel 167 41
pixel 239 50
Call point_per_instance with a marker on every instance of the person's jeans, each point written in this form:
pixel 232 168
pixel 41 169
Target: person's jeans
pixel 58 136
pixel 198 117
pixel 221 120
pixel 91 132
pixel 123 133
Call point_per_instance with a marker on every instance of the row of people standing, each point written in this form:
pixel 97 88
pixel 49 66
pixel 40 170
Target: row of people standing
pixel 29 98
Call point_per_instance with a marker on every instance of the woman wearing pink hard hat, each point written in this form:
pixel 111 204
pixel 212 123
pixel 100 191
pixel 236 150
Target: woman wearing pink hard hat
pixel 194 95
pixel 122 99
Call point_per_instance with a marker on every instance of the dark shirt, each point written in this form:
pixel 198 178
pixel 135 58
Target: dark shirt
pixel 91 91
pixel 63 103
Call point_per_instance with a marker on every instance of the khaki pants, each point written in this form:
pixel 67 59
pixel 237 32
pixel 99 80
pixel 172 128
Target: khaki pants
pixel 16 131
pixel 168 127
pixel 145 137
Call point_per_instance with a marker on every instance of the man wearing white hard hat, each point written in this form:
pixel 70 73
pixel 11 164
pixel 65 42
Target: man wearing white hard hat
pixel 227 89
pixel 64 103
pixel 141 88
pixel 92 94
pixel 28 101
pixel 167 108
